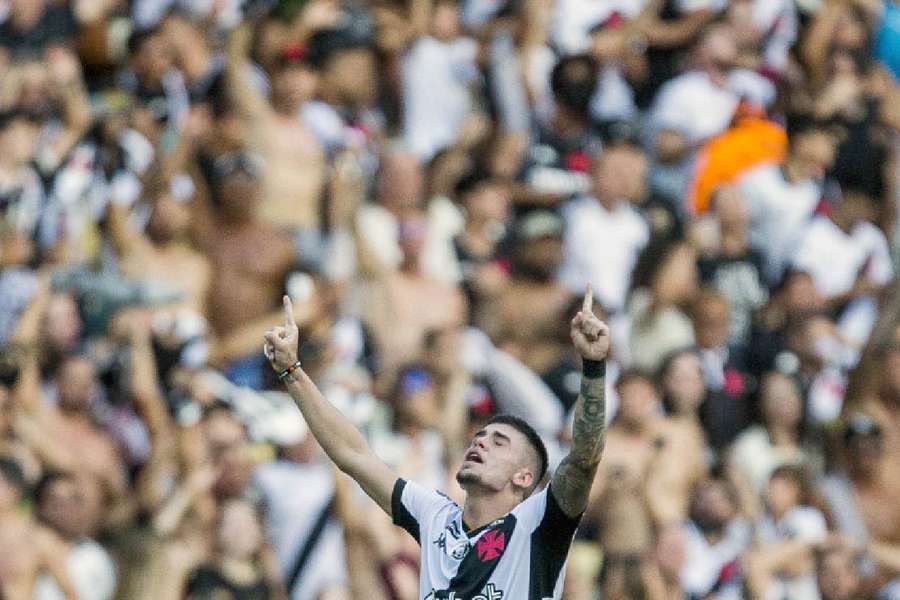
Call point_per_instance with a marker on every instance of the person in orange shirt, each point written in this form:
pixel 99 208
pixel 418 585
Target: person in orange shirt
pixel 750 141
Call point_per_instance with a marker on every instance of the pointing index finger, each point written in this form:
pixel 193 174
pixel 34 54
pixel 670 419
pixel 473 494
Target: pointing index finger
pixel 288 313
pixel 587 306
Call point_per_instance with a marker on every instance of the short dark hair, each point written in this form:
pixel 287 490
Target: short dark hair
pixel 533 439
pixel 12 472
pixel 573 82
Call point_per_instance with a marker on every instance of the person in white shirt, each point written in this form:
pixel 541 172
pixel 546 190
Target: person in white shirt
pixel 437 73
pixel 849 260
pixel 400 190
pixel 573 20
pixel 783 198
pixel 701 102
pixel 782 563
pixel 845 253
pixel 604 233
pixel 716 536
pixel 511 536
pixel 298 489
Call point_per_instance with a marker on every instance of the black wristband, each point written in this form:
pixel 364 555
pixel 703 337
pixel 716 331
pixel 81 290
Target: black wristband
pixel 593 369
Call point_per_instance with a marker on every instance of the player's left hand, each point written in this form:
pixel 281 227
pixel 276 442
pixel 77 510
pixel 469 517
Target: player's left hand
pixel 589 334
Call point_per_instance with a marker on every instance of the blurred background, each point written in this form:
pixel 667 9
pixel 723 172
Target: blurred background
pixel 435 183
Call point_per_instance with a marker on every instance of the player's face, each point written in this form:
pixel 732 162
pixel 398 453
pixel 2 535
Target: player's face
pixel 495 459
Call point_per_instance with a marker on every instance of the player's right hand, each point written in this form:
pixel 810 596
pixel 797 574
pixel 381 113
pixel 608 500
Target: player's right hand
pixel 282 342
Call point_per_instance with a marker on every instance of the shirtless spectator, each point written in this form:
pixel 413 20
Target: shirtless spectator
pixel 292 182
pixel 525 316
pixel 862 499
pixel 67 508
pixel 251 260
pixel 28 550
pixel 651 464
pixel 74 426
pixel 400 332
pixel 162 253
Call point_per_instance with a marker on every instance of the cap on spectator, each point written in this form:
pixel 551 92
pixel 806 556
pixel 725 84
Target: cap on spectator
pixel 327 43
pixel 539 224
pixel 860 425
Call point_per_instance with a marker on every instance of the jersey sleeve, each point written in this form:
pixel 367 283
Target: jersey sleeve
pixel 413 506
pixel 552 532
pixel 542 514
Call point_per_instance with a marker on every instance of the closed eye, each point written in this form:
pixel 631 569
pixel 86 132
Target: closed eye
pixel 499 439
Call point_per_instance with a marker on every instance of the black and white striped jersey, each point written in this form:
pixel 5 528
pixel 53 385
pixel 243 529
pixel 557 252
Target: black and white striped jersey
pixel 520 556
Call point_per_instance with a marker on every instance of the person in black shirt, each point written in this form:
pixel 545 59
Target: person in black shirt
pixel 34 25
pixel 236 571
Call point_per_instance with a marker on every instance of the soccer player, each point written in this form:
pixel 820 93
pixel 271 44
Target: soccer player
pixel 510 539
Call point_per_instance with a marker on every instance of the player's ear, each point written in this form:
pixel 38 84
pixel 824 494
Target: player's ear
pixel 523 479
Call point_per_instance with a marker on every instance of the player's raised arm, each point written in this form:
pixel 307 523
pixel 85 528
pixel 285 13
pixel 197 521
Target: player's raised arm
pixel 342 442
pixel 572 481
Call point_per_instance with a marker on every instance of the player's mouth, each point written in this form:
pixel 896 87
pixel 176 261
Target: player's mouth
pixel 473 456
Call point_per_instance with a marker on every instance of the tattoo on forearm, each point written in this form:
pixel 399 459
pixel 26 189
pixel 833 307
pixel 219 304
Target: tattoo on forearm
pixel 589 429
pixel 575 474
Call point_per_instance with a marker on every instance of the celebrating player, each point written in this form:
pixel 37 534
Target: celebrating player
pixel 511 538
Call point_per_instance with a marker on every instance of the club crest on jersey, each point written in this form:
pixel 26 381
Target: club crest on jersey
pixel 491 545
pixel 455 548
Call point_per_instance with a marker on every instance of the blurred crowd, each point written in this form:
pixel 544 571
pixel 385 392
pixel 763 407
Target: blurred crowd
pixel 435 183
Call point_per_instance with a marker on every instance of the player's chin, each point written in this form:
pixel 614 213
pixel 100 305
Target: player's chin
pixel 466 476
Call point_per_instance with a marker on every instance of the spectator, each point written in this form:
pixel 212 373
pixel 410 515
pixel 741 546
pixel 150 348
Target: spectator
pixel 531 305
pixel 298 489
pixel 294 163
pixel 837 574
pixel 857 498
pixel 665 280
pixel 782 562
pixel 701 103
pixel 604 233
pixel 65 506
pixel 37 550
pixel 237 570
pixel 438 71
pixel 723 366
pixel 778 441
pixel 248 285
pixel 734 266
pixel 782 200
pixel 435 184
pixel 716 539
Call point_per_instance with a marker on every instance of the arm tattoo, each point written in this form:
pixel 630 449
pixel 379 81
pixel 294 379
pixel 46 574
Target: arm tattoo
pixel 573 478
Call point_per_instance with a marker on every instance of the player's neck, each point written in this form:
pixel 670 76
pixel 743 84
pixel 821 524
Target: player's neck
pixel 485 507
